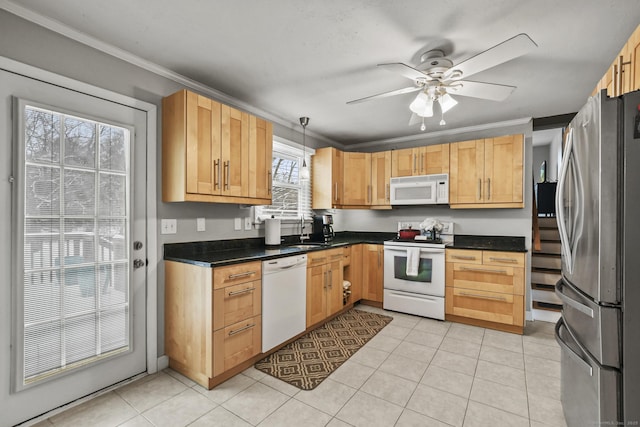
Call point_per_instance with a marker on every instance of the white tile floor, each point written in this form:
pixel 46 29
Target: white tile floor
pixel 415 372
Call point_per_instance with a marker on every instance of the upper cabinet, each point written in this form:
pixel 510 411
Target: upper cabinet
pixel 431 159
pixel 380 177
pixel 623 75
pixel 357 179
pixel 327 170
pixel 214 153
pixel 487 173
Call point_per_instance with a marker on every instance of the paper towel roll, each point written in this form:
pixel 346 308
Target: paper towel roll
pixel 272 231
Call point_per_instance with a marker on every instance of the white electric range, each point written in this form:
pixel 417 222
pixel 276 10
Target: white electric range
pixel 412 290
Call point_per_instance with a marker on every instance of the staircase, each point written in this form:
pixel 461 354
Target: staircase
pixel 545 272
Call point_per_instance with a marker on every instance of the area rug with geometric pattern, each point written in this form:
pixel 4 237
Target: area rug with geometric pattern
pixel 310 359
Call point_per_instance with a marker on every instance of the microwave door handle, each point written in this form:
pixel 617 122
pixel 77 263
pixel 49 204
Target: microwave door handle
pixel 560 217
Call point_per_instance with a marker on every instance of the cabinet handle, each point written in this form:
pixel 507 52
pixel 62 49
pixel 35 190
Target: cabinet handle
pixel 480 270
pixel 387 192
pixel 243 274
pixel 243 291
pixel 335 193
pixel 465 257
pixel 316 260
pixel 488 188
pixel 330 280
pixel 421 163
pixel 614 80
pixel 415 159
pixel 227 166
pixel 369 188
pixel 466 294
pixel 511 260
pixel 379 256
pixel 324 279
pixel 479 189
pixel 269 182
pixel 216 173
pixel 244 328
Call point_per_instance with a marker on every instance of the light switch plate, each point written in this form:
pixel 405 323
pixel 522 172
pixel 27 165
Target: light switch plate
pixel 237 223
pixel 247 223
pixel 169 226
pixel 200 225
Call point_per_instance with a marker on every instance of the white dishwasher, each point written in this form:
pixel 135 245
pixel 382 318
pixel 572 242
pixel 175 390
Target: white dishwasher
pixel 284 299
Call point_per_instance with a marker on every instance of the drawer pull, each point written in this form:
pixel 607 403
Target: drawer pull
pixel 467 257
pixel 481 270
pixel 318 259
pixel 243 274
pixel 244 328
pixel 512 260
pixel 243 291
pixel 466 294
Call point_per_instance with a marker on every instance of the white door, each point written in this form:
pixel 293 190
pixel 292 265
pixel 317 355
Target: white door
pixel 72 204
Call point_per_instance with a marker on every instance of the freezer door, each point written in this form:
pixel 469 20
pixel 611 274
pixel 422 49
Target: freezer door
pixel 595 326
pixel 586 200
pixel 589 391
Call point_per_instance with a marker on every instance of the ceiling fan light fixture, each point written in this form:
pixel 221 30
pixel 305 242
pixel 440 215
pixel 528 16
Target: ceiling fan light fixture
pixel 304 170
pixel 422 105
pixel 447 102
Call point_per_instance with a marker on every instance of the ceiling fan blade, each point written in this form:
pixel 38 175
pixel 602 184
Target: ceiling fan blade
pixel 490 91
pixel 500 53
pixel 405 70
pixel 386 94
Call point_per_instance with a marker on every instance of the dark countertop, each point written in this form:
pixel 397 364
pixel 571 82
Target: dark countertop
pixel 489 243
pixel 217 253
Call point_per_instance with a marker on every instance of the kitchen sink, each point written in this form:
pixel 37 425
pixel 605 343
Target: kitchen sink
pixel 305 246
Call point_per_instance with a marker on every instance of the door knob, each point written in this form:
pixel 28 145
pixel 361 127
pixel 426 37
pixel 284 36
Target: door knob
pixel 137 245
pixel 137 263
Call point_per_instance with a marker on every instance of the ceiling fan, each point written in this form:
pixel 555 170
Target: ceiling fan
pixel 436 78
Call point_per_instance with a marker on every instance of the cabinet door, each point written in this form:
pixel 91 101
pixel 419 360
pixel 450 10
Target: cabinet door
pixel 403 162
pixel 260 157
pixel 316 294
pixel 357 179
pixel 633 47
pixel 503 169
pixel 353 273
pixel 203 144
pixel 436 159
pixel 236 343
pixel 337 176
pixel 334 287
pixel 372 272
pixel 380 176
pixel 466 172
pixel 235 152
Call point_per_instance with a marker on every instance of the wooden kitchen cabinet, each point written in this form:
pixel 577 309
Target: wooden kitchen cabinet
pixel 209 149
pixel 486 288
pixel 353 272
pixel 430 159
pixel 623 76
pixel 213 319
pixel 487 173
pixel 372 273
pixel 380 177
pixel 327 178
pixel 324 284
pixel 357 179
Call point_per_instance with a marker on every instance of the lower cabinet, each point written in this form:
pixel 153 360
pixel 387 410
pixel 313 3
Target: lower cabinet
pixel 324 284
pixel 213 319
pixel 486 288
pixel 353 272
pixel 373 273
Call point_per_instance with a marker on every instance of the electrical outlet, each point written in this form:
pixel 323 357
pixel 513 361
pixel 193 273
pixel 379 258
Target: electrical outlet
pixel 247 223
pixel 237 223
pixel 169 226
pixel 200 226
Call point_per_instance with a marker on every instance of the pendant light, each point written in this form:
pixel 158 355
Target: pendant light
pixel 304 171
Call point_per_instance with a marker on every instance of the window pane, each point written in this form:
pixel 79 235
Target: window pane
pixel 41 243
pixel 285 199
pixel 42 296
pixel 42 190
pixel 113 155
pixel 79 142
pixel 42 348
pixel 285 170
pixel 112 195
pixel 42 136
pixel 79 192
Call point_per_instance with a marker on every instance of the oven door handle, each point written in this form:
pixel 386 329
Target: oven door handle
pixel 403 251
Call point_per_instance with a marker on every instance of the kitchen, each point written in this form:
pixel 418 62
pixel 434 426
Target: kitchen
pixel 124 77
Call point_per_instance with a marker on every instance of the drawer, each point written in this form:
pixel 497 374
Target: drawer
pixel 237 273
pixel 515 259
pixel 346 256
pixel 324 256
pixel 491 278
pixel 236 303
pixel 489 306
pixel 236 343
pixel 464 255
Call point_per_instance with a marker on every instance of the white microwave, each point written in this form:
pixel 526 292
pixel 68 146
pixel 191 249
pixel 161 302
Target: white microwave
pixel 420 190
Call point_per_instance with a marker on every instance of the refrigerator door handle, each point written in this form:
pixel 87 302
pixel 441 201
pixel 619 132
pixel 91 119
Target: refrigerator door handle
pixel 564 237
pixel 571 302
pixel 575 356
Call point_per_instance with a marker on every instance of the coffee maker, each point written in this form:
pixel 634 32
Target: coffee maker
pixel 322 228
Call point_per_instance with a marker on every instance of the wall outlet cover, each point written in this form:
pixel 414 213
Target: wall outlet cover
pixel 237 223
pixel 200 224
pixel 247 223
pixel 169 226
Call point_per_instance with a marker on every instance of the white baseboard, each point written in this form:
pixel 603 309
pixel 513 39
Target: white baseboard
pixel 528 315
pixel 163 362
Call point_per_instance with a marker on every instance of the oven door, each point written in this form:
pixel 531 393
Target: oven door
pixel 430 278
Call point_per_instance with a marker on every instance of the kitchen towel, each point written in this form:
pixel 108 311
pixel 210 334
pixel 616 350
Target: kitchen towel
pixel 413 261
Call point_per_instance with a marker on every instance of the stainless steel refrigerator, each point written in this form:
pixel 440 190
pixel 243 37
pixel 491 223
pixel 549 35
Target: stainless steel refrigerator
pixel 598 213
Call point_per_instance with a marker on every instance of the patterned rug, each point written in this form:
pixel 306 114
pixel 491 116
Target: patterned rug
pixel 310 359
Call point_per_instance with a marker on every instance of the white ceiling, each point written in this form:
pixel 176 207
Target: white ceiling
pixel 296 58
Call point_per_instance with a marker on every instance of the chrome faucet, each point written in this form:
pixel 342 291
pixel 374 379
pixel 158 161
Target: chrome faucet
pixel 302 235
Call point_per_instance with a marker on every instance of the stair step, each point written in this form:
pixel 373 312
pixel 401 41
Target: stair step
pixel 549 248
pixel 545 296
pixel 545 277
pixel 547 222
pixel 551 262
pixel 549 234
pixel 546 306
